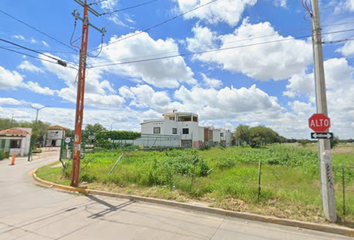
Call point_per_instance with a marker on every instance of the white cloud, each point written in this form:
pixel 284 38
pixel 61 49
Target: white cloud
pixel 163 73
pixel 339 77
pixel 34 87
pixel 210 82
pixel 27 66
pixel 10 101
pixel 227 102
pixel 348 49
pixel 343 5
pixel 20 37
pixel 143 96
pixel 9 79
pixel 281 3
pixel 247 54
pixel 228 11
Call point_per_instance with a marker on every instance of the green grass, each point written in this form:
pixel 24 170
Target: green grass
pixel 289 181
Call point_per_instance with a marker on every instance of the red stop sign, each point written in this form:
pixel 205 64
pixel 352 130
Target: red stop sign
pixel 319 122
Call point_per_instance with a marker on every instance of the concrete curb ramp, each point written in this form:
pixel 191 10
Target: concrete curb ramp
pixel 249 216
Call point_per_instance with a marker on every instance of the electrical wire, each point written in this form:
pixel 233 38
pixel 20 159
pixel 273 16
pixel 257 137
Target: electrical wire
pixel 60 42
pixel 29 49
pixel 159 24
pixel 210 50
pixel 28 55
pixel 131 7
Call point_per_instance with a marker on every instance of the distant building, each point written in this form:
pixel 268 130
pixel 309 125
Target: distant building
pixel 15 140
pixel 54 136
pixel 185 126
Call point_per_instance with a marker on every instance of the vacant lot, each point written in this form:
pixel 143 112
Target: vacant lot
pixel 223 177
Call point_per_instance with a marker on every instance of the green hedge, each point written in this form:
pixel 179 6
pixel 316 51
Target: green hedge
pixel 2 154
pixel 103 136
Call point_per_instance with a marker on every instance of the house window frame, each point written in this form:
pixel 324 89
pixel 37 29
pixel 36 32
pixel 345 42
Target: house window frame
pixel 185 130
pixel 174 130
pixel 156 130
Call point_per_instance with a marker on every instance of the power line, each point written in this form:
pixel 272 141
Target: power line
pixel 159 24
pixel 29 49
pixel 131 7
pixel 38 30
pixel 103 64
pixel 28 55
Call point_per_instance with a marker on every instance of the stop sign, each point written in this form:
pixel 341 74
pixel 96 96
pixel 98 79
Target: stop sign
pixel 319 122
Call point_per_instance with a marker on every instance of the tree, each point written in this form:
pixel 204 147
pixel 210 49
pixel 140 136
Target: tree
pixel 242 133
pixel 39 129
pixel 97 127
pixel 334 142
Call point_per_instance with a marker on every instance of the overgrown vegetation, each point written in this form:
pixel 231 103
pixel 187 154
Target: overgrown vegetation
pixel 257 136
pixel 222 177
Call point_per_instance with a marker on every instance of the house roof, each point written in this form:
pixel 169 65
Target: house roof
pixel 14 132
pixel 57 127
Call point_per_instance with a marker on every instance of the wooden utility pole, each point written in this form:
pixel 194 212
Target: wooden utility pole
pixel 324 148
pixel 75 173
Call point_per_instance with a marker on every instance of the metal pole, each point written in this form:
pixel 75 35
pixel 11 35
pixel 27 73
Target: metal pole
pixel 327 184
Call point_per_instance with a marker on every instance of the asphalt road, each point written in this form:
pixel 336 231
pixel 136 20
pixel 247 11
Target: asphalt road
pixel 32 212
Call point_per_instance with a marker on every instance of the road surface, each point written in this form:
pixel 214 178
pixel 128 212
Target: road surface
pixel 32 212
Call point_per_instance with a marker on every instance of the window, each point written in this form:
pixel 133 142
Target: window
pixel 185 131
pixel 221 134
pixel 174 130
pixel 15 144
pixel 157 130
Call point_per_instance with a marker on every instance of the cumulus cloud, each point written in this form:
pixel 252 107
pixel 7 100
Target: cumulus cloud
pixel 27 66
pixel 348 49
pixel 35 87
pixel 339 76
pixel 210 82
pixel 163 73
pixel 9 79
pixel 143 96
pixel 246 52
pixel 10 101
pixel 227 11
pixel 227 102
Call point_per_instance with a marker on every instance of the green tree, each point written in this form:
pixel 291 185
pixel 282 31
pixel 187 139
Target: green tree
pixel 39 129
pixel 334 142
pixel 94 127
pixel 242 133
pixel 261 135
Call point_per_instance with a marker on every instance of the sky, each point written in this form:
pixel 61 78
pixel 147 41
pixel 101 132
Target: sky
pixel 231 62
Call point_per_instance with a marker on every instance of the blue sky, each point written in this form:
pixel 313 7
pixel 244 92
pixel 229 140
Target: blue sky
pixel 262 73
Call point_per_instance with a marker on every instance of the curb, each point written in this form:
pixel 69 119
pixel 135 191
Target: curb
pixel 345 231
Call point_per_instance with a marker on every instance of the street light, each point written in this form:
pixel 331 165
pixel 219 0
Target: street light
pixel 112 125
pixel 37 109
pixel 31 140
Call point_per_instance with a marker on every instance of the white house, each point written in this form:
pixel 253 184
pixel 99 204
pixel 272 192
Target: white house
pixel 15 140
pixel 54 136
pixel 185 125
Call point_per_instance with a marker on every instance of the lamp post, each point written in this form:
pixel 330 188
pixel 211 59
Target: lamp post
pixel 112 125
pixel 37 109
pixel 31 140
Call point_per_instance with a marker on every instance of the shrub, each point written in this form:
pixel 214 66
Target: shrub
pixel 2 154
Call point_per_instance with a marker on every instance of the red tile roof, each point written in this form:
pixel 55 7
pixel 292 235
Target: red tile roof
pixel 57 127
pixel 14 131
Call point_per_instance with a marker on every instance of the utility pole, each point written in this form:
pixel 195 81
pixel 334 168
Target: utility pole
pixel 75 173
pixel 324 148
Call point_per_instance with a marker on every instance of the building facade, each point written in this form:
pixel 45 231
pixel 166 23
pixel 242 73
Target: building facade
pixel 15 140
pixel 185 126
pixel 54 136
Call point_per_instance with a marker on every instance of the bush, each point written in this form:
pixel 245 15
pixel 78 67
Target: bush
pixel 2 154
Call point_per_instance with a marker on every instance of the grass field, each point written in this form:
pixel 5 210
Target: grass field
pixel 227 178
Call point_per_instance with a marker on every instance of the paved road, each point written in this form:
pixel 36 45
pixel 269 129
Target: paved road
pixel 32 212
